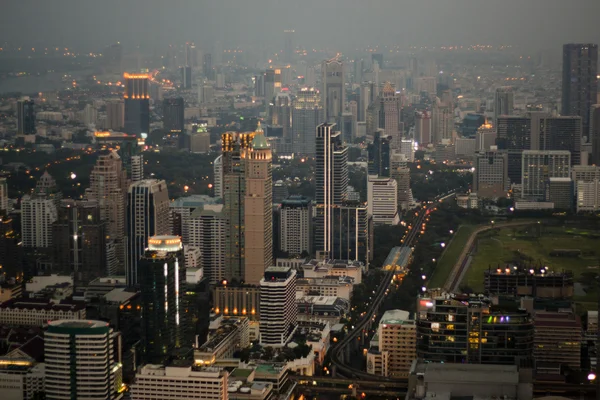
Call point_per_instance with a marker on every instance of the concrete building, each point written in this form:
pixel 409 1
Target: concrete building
pixel 490 179
pixel 82 361
pixel 587 195
pixel 218 176
pixel 258 218
pixel 38 212
pixel 333 96
pixel 337 268
pixel 207 230
pixel 382 200
pixel 560 192
pixel 278 308
pixel 379 154
pixel 157 382
pixel 390 115
pixel 200 143
pixel 465 147
pixel 557 339
pixel 426 84
pixel 137 104
pixel 401 173
pixel 295 227
pixel 115 115
pixel 226 336
pixel 147 215
pixel 235 300
pixel 538 167
pixel 37 312
pixel 423 128
pixel 395 345
pixel 503 102
pixel 332 286
pixel 307 114
pixel 3 197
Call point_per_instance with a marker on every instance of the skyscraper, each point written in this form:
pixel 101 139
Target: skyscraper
pixel 3 196
pixel 108 186
pixel 218 176
pixel 561 133
pixel 595 134
pixel 352 233
pixel 295 235
pixel 288 46
pixel 333 95
pixel 580 81
pixel 379 154
pixel 503 102
pixel 307 114
pixel 365 99
pixel 207 230
pixel 258 219
pixel 389 118
pixel 207 66
pixel 115 115
pixel 186 77
pixel 272 83
pixel 280 115
pixel 137 104
pixel 25 117
pixel 173 115
pixel 38 213
pixel 278 309
pixel 490 179
pixel 541 165
pixel 331 178
pixel 147 215
pixel 161 282
pixel 82 360
pixel 514 136
pixel 382 200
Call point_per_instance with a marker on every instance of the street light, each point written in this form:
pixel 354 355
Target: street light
pixel 443 245
pixel 423 277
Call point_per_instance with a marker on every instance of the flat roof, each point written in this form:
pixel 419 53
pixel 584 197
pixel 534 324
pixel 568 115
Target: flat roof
pixel 396 317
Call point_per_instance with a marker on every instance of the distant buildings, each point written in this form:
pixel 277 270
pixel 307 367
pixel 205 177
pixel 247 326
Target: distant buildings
pixel 307 114
pixel 25 117
pixel 173 118
pixel 137 104
pixel 503 102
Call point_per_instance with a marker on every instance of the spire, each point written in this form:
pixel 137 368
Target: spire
pixel 259 142
pixel 388 88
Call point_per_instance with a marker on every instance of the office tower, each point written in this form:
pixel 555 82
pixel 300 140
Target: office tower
pixel 382 200
pixel 79 240
pixel 3 196
pixel 426 85
pixel 186 77
pixel 173 115
pixel 490 179
pixel 560 192
pixel 137 168
pixel 108 186
pixel 396 348
pixel 307 114
pixel 278 309
pixel 207 230
pixel 81 360
pixel 200 142
pixel 331 178
pixel 207 67
pixel 503 102
pixel 137 104
pixel 288 46
pixel 280 114
pixel 561 133
pixel 161 279
pixel 367 91
pixel 485 137
pixel 272 82
pixel 580 81
pixel 442 117
pixel 379 154
pixel 333 95
pixel 191 54
pixel 377 58
pixel 557 338
pixel 258 219
pixel 25 117
pixel 389 117
pixel 407 148
pixel 595 133
pixel 147 215
pixel 456 328
pixel 423 127
pixel 115 115
pixel 348 126
pixel 206 93
pixel 359 67
pixel 401 173
pixel 514 134
pixel 235 147
pixel 352 233
pixel 296 225
pixel 218 176
pixel 38 212
pixel 538 167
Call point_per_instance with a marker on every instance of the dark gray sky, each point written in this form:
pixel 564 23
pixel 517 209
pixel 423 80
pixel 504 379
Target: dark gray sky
pixel 92 24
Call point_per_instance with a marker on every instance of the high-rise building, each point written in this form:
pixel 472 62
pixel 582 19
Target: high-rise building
pixel 595 133
pixel 557 338
pixel 401 173
pixel 280 114
pixel 423 127
pixel 79 240
pixel 352 233
pixel 108 186
pixel 331 178
pixel 81 360
pixel 307 114
pixel 379 154
pixel 186 77
pixel 457 328
pixel 383 200
pixel 272 81
pixel 296 225
pixel 161 278
pixel 333 95
pixel 147 215
pixel 25 117
pixel 235 147
pixel 426 84
pixel 206 93
pixel 579 81
pixel 538 167
pixel 561 133
pixel 3 196
pixel 137 104
pixel 377 58
pixel 389 117
pixel 218 176
pixel 278 308
pixel 258 219
pixel 503 102
pixel 207 66
pixel 514 136
pixel 207 230
pixel 367 91
pixel 490 179
pixel 288 46
pixel 442 118
pixel 173 115
pixel 348 127
pixel 115 115
pixel 38 212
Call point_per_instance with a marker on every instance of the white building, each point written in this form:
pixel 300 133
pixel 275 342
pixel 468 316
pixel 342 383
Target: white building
pixel 193 256
pixel 156 382
pixel 37 312
pixel 278 309
pixel 37 216
pixel 383 200
pixel 587 195
pixel 80 361
pixel 137 168
pixel 336 286
pixel 407 147
pixel 538 167
pixel 37 283
pixel 296 225
pixel 218 173
pixel 465 147
pixel 321 269
pixel 3 196
pixel 207 230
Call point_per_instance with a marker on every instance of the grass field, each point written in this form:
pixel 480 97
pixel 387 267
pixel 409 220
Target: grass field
pixel 499 247
pixel 450 256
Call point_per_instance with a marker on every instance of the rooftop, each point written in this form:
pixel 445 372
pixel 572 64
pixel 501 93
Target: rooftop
pixel 396 317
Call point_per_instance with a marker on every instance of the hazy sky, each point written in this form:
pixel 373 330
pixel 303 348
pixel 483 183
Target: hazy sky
pixel 334 23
